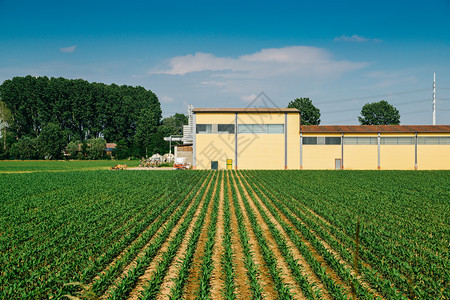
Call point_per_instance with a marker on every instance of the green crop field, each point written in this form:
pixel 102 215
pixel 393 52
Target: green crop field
pixel 29 166
pixel 66 229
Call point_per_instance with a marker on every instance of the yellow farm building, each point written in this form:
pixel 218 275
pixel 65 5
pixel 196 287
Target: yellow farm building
pixel 273 138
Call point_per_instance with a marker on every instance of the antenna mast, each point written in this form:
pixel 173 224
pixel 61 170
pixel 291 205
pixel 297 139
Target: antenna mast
pixel 434 98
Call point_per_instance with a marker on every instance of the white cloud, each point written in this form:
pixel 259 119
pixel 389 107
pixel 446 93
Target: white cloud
pixel 282 73
pixel 213 82
pixel 354 38
pixel 296 54
pixel 299 61
pixel 68 49
pixel 249 98
pixel 167 99
pixel 181 65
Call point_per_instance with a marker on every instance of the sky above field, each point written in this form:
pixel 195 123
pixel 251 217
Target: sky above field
pixel 340 54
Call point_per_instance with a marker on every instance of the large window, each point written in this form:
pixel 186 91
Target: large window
pixel 244 128
pixel 309 140
pixel 332 140
pixel 225 128
pixel 261 128
pixel 398 141
pixel 321 140
pixel 391 140
pixel 275 128
pixel 204 128
pixel 215 128
pixel 360 140
pixel 434 140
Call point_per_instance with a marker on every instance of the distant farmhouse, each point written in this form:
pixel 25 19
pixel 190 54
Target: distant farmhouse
pixel 110 147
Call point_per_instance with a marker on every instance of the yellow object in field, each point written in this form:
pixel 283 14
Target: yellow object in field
pixel 229 164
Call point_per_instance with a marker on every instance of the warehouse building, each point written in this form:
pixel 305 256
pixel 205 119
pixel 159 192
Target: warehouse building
pixel 246 138
pixel 371 147
pixel 272 138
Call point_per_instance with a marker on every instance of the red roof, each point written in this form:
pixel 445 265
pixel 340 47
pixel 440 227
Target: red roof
pixel 375 128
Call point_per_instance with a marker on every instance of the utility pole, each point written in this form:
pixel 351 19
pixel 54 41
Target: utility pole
pixel 434 98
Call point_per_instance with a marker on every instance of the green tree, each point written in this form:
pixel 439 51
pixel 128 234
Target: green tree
pixel 25 148
pixel 5 118
pixel 51 141
pixel 146 129
pixel 173 125
pixel 310 115
pixel 73 148
pixel 97 148
pixel 158 145
pixel 84 150
pixel 122 150
pixel 83 110
pixel 379 113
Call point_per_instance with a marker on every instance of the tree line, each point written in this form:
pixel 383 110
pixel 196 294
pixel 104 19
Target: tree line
pixel 43 117
pixel 375 113
pixel 40 116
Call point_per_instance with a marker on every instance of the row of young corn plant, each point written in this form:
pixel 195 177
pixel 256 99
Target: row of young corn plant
pixel 333 288
pixel 207 266
pixel 341 270
pixel 29 264
pixel 155 209
pixel 281 287
pixel 176 291
pixel 376 282
pixel 53 236
pixel 343 244
pixel 277 184
pixel 401 260
pixel 132 243
pixel 41 243
pixel 62 230
pixel 410 199
pixel 420 237
pixel 159 211
pixel 127 283
pixel 253 273
pixel 379 284
pixel 309 289
pixel 382 285
pixel 412 234
pixel 414 207
pixel 153 286
pixel 163 212
pixel 408 228
pixel 228 267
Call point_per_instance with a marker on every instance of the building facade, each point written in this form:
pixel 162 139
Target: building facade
pixel 370 147
pixel 246 138
pixel 272 138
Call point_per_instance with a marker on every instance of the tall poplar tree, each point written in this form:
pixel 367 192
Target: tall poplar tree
pixel 5 118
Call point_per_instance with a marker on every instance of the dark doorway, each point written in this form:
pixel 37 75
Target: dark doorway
pixel 214 165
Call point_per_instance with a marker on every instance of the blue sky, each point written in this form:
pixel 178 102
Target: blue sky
pixel 341 54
